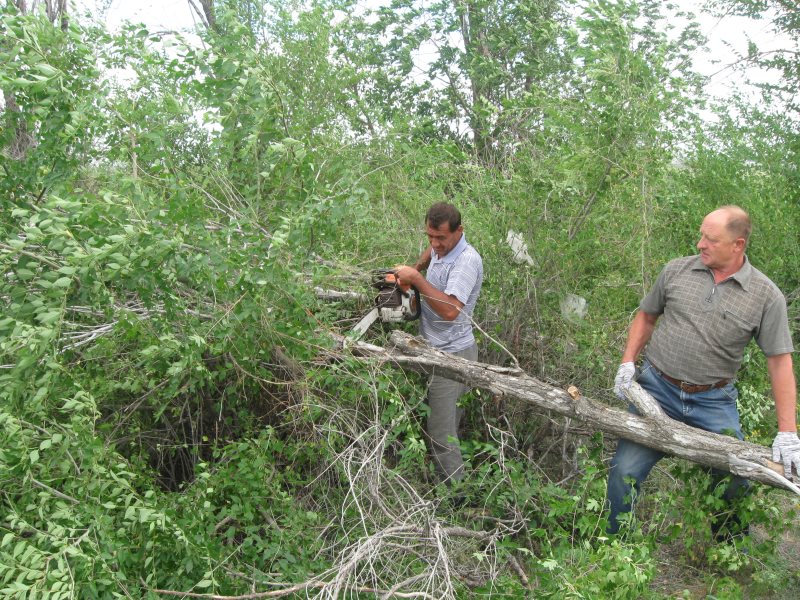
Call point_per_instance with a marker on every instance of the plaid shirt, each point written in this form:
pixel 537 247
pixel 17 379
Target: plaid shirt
pixel 459 273
pixel 704 327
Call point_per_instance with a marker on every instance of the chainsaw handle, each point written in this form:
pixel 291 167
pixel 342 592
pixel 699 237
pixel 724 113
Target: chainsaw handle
pixel 406 288
pixel 382 277
pixel 390 276
pixel 418 303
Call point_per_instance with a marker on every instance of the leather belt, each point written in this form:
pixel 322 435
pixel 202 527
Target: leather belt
pixel 692 388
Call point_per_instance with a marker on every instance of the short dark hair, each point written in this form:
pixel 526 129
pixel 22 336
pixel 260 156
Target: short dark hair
pixel 442 212
pixel 739 224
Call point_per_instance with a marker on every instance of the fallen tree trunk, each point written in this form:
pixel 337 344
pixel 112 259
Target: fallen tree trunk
pixel 654 429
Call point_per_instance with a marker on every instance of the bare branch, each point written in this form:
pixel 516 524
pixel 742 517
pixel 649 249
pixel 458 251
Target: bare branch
pixel 654 431
pixel 54 491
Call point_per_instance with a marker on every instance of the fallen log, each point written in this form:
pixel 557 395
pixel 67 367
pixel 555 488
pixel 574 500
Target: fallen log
pixel 653 429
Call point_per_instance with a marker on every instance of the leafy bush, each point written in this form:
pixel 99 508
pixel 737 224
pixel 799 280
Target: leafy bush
pixel 174 412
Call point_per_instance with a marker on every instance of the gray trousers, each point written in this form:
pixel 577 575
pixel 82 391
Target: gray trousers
pixel 442 427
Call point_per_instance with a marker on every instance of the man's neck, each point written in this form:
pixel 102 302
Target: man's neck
pixel 723 273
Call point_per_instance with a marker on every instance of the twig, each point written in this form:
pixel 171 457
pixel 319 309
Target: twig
pixel 36 257
pixel 308 585
pixel 54 491
pixel 512 560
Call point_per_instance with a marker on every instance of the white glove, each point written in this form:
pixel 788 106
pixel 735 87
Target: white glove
pixel 786 450
pixel 623 379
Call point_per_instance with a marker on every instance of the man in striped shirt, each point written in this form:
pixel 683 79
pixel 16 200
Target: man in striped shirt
pixel 449 291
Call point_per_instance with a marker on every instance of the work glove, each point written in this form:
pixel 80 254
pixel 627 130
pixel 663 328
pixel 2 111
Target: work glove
pixel 623 379
pixel 786 450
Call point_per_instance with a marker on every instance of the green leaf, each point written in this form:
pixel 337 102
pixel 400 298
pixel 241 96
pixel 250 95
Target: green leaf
pixel 26 362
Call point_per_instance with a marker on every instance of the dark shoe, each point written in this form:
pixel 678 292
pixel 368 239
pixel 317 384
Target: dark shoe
pixel 727 528
pixel 458 501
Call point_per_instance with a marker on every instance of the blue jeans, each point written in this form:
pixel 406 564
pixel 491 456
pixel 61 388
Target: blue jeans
pixel 713 410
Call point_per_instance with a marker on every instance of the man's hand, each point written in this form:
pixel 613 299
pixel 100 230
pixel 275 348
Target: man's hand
pixel 623 379
pixel 786 450
pixel 407 275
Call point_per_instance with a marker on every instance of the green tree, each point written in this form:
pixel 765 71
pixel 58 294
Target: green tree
pixel 52 94
pixel 627 104
pixel 481 62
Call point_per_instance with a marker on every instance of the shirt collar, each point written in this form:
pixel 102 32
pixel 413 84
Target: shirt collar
pixel 453 254
pixel 742 276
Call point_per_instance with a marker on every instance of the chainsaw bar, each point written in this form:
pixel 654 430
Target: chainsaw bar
pixel 366 321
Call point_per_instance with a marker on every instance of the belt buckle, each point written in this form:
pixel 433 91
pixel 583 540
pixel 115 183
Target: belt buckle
pixel 694 388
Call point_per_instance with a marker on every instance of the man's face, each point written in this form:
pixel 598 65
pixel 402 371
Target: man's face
pixel 718 249
pixel 443 240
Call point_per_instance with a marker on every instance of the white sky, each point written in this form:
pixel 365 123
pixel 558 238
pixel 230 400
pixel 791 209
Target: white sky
pixel 156 14
pixel 725 36
pixel 727 39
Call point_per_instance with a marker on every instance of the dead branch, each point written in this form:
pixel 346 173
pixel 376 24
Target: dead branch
pixel 653 430
pixel 409 532
pixel 334 295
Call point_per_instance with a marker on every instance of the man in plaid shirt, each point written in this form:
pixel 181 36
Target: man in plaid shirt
pixel 708 307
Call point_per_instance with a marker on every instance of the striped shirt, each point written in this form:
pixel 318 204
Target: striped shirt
pixel 705 326
pixel 459 273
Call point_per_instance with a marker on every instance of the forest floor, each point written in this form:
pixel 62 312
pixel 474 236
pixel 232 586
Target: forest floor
pixel 681 577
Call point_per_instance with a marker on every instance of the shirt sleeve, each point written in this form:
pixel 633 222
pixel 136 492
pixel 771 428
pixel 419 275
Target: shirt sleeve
pixel 773 335
pixel 655 301
pixel 462 278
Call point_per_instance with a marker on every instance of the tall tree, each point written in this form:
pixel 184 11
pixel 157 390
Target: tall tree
pixel 632 93
pixel 488 57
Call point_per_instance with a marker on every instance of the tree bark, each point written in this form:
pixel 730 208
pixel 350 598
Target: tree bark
pixel 653 429
pixel 206 12
pixel 473 35
pixel 24 140
pixel 57 11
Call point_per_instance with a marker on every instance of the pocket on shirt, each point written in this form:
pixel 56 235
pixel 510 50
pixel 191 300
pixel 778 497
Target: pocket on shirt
pixel 735 328
pixel 739 321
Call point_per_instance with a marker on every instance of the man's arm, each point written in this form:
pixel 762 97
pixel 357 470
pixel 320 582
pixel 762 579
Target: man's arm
pixel 786 447
pixel 424 260
pixel 784 390
pixel 639 334
pixel 442 304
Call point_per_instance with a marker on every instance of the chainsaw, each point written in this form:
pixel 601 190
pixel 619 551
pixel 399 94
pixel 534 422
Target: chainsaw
pixel 395 303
